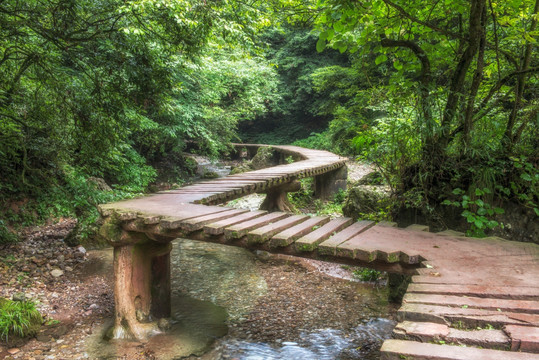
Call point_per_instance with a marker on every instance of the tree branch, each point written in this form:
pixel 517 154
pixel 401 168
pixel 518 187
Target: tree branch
pixel 424 23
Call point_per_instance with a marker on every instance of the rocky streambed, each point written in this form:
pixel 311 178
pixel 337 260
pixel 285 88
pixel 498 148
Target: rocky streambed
pixel 228 303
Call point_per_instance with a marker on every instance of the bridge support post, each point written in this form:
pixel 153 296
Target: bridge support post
pixel 276 199
pixel 141 287
pixel 328 184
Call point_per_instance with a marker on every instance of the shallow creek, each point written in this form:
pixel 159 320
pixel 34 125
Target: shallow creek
pixel 229 303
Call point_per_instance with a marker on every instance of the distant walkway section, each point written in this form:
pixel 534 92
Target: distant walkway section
pixel 468 298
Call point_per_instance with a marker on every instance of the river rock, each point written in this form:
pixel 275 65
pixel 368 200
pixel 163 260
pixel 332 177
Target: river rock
pixel 20 296
pixel 57 273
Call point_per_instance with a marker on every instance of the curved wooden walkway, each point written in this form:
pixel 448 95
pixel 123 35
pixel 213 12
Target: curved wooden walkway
pixel 468 298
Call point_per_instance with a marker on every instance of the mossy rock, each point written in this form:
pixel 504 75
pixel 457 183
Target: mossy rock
pixel 210 175
pixel 265 157
pixel 244 167
pixel 372 178
pixel 364 199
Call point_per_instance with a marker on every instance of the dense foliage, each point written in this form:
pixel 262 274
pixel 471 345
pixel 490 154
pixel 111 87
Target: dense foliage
pixel 442 96
pixel 455 112
pixel 109 88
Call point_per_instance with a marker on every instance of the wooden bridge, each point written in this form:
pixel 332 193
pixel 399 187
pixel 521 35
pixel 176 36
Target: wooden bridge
pixel 468 298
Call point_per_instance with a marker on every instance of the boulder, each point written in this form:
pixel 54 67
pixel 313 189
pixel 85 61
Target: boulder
pixel 365 199
pixel 372 178
pixel 98 183
pixel 265 157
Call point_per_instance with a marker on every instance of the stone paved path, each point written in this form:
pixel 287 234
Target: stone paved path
pixel 468 298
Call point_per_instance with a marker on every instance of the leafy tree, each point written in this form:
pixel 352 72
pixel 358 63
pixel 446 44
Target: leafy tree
pixel 459 94
pixel 107 88
pixel 291 49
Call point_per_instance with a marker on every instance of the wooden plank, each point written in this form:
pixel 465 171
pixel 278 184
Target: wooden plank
pixel 218 227
pixel 189 212
pixel 241 229
pixel 329 247
pixel 199 222
pixel 310 241
pixel 290 235
pixel 264 233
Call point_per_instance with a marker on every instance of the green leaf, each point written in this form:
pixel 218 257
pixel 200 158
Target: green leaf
pixel 479 223
pixel 526 177
pixel 342 48
pixel 397 65
pixel 320 45
pixel 380 59
pixel 492 224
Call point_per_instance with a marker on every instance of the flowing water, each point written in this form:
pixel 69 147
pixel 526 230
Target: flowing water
pixel 324 344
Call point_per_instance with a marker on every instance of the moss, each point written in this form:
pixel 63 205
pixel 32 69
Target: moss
pixel 398 284
pixel 392 258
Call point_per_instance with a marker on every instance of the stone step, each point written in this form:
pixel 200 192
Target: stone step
pixel 218 227
pixel 464 317
pixel 310 241
pixel 264 233
pixel 413 350
pixel 290 235
pixel 443 334
pixel 485 291
pixel 525 306
pixel 241 229
pixel 523 338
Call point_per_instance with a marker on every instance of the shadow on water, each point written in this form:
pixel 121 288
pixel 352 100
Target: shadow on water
pixel 195 325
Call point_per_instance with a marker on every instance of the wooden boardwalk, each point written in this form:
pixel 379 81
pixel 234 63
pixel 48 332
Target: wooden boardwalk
pixel 479 293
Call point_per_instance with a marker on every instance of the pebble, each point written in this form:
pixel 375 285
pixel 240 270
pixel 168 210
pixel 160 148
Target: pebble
pixel 13 351
pixel 81 249
pixel 57 273
pixel 20 296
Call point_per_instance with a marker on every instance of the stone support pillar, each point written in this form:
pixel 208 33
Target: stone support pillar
pixel 141 281
pixel 328 184
pixel 276 199
pixel 140 294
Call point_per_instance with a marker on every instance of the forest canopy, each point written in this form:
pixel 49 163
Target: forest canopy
pixel 441 96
